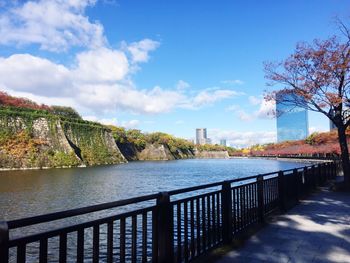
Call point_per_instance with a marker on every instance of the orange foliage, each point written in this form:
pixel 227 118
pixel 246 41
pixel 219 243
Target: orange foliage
pixel 21 144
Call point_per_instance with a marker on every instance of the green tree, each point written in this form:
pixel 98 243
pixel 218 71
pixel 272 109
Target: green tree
pixel 67 112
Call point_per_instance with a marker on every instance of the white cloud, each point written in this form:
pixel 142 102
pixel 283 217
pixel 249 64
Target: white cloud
pixel 242 139
pixel 156 100
pixel 54 25
pixel 101 65
pixel 139 50
pixel 313 129
pixel 233 108
pixel 266 110
pixel 181 85
pixel 26 73
pixel 131 124
pixel 105 121
pixel 233 82
pixel 99 81
pixel 210 96
pixel 243 116
pixel 254 100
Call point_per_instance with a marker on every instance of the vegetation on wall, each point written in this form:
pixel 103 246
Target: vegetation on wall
pixel 91 140
pixel 19 147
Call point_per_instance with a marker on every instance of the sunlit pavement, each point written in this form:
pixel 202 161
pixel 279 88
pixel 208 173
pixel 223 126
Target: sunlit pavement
pixel 317 230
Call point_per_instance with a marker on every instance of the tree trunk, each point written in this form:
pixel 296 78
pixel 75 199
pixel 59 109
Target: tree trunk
pixel 344 154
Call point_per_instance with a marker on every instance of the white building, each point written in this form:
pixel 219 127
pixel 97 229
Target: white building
pixel 201 136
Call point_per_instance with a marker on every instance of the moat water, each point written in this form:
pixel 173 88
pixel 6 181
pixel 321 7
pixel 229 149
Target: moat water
pixel 34 192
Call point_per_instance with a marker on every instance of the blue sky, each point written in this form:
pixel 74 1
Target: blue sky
pixel 169 66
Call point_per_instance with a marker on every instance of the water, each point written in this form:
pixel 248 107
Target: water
pixel 34 192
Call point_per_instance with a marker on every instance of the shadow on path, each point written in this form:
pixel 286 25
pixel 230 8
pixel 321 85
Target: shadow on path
pixel 317 230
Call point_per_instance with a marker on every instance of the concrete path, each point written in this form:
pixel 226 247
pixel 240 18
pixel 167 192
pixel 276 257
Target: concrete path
pixel 317 230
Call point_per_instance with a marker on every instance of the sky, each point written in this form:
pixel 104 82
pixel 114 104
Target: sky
pixel 170 66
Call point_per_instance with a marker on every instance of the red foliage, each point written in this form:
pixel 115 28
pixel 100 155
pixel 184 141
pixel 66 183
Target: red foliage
pixel 323 144
pixel 7 100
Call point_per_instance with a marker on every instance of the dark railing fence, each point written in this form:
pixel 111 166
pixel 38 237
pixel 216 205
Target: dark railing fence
pixel 175 226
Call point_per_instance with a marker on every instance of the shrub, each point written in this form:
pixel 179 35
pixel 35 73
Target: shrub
pixel 67 112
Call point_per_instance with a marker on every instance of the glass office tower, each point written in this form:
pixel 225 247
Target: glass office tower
pixel 292 121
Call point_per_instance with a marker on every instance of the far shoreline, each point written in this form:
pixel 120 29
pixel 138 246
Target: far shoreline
pixel 286 159
pixel 291 159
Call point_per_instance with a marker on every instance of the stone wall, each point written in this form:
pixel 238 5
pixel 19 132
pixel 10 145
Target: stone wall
pixel 212 154
pixel 29 141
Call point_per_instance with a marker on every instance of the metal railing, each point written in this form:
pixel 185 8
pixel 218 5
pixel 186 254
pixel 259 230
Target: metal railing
pixel 174 226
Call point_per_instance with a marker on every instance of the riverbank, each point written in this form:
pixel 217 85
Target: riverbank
pixel 290 159
pixel 203 155
pixel 209 156
pixel 43 137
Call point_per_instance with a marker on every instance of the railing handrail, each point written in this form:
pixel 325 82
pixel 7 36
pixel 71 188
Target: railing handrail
pixel 72 228
pixel 17 223
pixel 23 222
pixel 199 187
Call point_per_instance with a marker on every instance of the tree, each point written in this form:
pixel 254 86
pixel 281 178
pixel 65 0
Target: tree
pixel 7 100
pixel 64 111
pixel 317 77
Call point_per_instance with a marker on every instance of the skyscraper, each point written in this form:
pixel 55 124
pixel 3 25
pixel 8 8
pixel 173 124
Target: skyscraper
pixel 292 121
pixel 223 142
pixel 201 136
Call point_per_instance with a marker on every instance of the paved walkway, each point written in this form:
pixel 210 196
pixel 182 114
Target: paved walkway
pixel 317 230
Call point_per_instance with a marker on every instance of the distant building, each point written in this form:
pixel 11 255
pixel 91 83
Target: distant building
pixel 292 121
pixel 223 142
pixel 201 136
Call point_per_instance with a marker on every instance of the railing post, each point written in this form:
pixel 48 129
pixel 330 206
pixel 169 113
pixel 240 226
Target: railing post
pixel 308 182
pixel 323 173
pixel 165 228
pixel 313 177
pixel 4 238
pixel 226 203
pixel 260 184
pixel 320 173
pixel 296 185
pixel 281 191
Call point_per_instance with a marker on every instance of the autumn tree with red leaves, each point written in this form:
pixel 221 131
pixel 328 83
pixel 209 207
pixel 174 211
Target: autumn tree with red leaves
pixel 7 100
pixel 317 77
